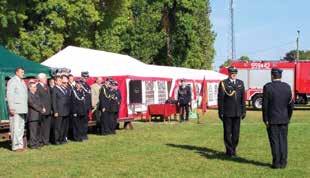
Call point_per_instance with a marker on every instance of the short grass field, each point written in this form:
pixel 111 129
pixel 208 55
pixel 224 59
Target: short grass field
pixel 167 150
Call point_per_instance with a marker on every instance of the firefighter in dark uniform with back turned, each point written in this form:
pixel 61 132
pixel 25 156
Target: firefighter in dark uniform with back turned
pixel 277 111
pixel 231 109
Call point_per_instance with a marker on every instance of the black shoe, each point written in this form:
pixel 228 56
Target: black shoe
pixel 34 147
pixel 283 166
pixel 229 154
pixel 275 166
pixel 78 140
pixel 234 153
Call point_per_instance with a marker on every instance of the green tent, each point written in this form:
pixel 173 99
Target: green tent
pixel 8 63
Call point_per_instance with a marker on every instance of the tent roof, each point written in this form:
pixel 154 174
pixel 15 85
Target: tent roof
pixel 97 63
pixel 186 73
pixel 101 63
pixel 10 61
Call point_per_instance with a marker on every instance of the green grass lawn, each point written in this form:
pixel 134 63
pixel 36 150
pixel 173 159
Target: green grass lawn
pixel 167 150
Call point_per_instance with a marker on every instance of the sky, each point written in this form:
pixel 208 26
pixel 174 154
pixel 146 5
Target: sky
pixel 264 29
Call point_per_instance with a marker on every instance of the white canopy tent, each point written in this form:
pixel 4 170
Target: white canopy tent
pixel 101 63
pixel 97 63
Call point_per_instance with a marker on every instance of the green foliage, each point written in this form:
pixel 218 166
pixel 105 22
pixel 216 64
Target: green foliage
pixel 227 63
pixel 165 32
pixel 192 39
pixel 244 58
pixel 112 32
pixel 292 55
pixel 146 35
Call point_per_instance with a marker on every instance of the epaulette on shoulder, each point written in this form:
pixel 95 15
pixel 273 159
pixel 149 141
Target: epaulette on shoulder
pixel 267 84
pixel 238 80
pixel 225 80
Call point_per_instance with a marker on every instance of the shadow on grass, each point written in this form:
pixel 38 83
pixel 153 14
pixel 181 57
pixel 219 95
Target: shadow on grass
pixel 213 154
pixel 6 144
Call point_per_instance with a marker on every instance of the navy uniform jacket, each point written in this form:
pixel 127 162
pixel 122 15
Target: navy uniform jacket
pixel 234 105
pixel 35 107
pixel 184 95
pixel 78 102
pixel 104 99
pixel 115 100
pixel 277 103
pixel 87 91
pixel 61 101
pixel 45 97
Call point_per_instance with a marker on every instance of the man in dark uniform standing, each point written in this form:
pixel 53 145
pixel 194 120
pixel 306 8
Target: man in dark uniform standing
pixel 35 109
pixel 184 100
pixel 45 118
pixel 277 111
pixel 65 125
pixel 78 110
pixel 105 107
pixel 115 103
pixel 61 102
pixel 88 104
pixel 231 108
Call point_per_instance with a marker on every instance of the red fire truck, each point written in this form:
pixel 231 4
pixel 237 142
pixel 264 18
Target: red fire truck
pixel 256 74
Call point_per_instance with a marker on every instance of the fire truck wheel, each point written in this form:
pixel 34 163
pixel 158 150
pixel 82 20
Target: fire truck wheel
pixel 257 102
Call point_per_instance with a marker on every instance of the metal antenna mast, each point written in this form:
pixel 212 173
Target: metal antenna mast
pixel 233 47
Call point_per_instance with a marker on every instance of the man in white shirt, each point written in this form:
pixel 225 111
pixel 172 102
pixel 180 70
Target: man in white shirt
pixel 95 90
pixel 17 96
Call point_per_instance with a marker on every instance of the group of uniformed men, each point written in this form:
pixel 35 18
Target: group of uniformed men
pixel 66 104
pixel 63 107
pixel 277 111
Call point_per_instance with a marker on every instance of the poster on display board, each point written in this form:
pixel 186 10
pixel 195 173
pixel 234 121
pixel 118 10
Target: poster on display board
pixel 149 92
pixel 212 88
pixel 162 92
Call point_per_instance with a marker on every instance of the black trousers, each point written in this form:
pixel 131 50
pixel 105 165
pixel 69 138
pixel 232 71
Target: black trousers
pixel 115 118
pixel 277 135
pixel 64 128
pixel 231 134
pixel 184 110
pixel 96 117
pixel 77 128
pixel 107 123
pixel 84 127
pixel 45 129
pixel 34 134
pixel 57 122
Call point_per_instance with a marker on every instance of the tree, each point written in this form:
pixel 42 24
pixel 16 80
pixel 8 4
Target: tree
pixel 165 32
pixel 227 63
pixel 192 37
pixel 292 55
pixel 42 28
pixel 112 33
pixel 147 37
pixel 244 58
